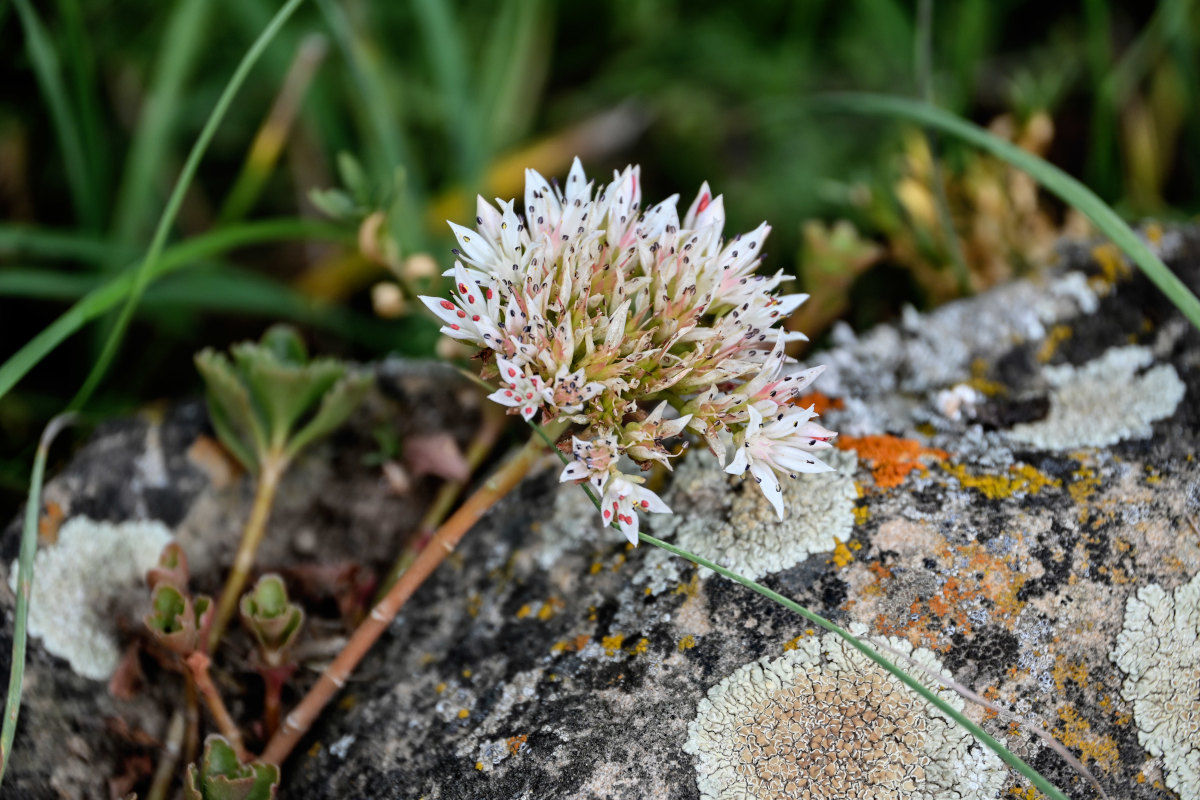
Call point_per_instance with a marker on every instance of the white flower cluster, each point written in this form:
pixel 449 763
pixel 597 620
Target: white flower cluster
pixel 608 316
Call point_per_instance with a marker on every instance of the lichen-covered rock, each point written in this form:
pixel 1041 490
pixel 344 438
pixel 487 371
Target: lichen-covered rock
pixel 1007 507
pixel 822 721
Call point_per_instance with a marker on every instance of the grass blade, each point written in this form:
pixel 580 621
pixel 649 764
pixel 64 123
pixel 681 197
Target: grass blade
pixel 443 41
pixel 79 53
pixel 46 66
pixel 159 114
pixel 1051 177
pixel 223 289
pixel 385 140
pixel 146 268
pixel 273 134
pixel 103 298
pixel 52 243
pixel 29 533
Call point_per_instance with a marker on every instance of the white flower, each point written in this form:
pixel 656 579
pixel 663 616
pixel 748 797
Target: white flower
pixel 473 317
pixel 602 313
pixel 782 446
pixel 623 499
pixel 592 461
pixel 523 392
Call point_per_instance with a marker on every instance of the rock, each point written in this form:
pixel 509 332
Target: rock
pixel 1022 516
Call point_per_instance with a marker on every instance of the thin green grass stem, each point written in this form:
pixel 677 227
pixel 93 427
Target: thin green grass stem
pixel 198 248
pixel 158 119
pixel 1051 177
pixel 146 268
pixel 29 536
pixel 46 67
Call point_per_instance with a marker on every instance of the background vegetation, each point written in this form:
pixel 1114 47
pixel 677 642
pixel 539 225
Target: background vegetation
pixel 398 112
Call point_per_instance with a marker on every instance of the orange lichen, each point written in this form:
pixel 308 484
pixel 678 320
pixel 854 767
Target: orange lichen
pixel 820 402
pixel 571 645
pixel 983 576
pixel 50 522
pixel 890 458
pixel 517 743
pixel 1020 478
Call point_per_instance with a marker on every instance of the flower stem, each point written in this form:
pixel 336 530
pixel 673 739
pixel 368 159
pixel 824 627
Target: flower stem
pixel 440 545
pixel 198 663
pixel 256 527
pixel 485 439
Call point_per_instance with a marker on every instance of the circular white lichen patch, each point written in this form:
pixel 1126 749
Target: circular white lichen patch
pixel 75 583
pixel 1159 650
pixel 740 530
pixel 823 721
pixel 1104 402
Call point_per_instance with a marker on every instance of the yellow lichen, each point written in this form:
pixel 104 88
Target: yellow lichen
pixel 612 644
pixel 1074 732
pixel 1020 478
pixel 841 553
pixel 641 647
pixel 463 713
pixel 687 643
pixel 1049 346
pixel 861 515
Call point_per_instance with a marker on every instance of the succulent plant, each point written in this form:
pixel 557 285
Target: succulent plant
pixel 172 569
pixel 221 776
pixel 179 622
pixel 270 401
pixel 273 620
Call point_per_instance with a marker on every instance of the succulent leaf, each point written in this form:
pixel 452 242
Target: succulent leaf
pixel 221 776
pixel 273 620
pixel 177 621
pixel 172 568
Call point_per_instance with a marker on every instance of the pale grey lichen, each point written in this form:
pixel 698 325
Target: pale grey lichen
pixel 1104 401
pixel 80 581
pixel 823 721
pixel 732 524
pixel 1159 650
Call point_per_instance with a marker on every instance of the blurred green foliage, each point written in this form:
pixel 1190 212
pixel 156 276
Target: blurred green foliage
pixel 432 101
